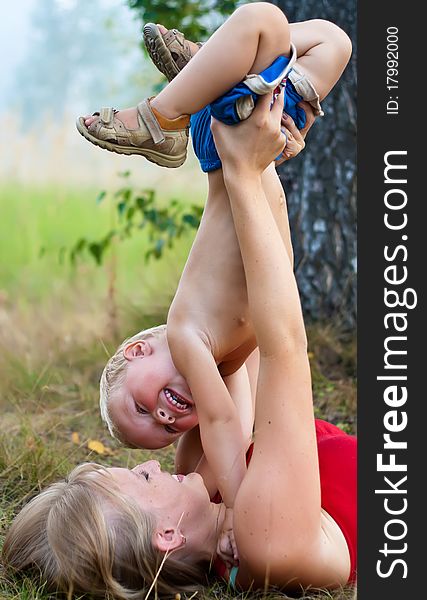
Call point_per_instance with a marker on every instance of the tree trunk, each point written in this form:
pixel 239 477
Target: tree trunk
pixel 321 185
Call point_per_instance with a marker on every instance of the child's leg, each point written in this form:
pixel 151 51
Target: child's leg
pixel 247 42
pixel 322 47
pixel 323 50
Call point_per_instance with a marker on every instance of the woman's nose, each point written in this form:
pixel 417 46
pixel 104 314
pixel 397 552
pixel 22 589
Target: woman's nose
pixel 161 415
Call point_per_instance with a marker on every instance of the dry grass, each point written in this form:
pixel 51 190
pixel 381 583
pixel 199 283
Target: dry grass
pixel 49 376
pixel 332 356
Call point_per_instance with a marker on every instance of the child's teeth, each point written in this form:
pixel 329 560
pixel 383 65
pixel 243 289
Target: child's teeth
pixel 175 400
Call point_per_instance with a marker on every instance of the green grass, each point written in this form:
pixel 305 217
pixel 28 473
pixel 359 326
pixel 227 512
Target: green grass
pixel 36 223
pixel 58 324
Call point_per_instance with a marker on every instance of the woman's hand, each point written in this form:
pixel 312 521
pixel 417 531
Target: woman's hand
pixel 253 144
pixel 295 138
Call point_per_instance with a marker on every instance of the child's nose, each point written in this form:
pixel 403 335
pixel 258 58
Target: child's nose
pixel 163 416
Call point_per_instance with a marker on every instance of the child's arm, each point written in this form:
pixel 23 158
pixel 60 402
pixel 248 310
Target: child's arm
pixel 239 387
pixel 189 454
pixel 220 429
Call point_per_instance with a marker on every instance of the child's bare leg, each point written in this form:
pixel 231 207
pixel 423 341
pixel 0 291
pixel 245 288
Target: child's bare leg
pixel 323 50
pixel 248 41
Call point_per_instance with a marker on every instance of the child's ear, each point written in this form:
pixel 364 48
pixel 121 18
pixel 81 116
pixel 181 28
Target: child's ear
pixel 168 539
pixel 137 349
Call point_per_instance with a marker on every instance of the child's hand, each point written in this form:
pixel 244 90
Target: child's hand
pixel 295 142
pixel 226 548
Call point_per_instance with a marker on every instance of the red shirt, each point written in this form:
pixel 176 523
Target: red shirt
pixel 338 483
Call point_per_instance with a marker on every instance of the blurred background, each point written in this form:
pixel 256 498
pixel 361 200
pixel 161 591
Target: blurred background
pixel 63 58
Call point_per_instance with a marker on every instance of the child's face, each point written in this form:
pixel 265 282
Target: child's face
pixel 154 406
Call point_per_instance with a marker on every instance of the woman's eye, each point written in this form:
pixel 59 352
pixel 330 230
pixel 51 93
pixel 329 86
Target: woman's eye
pixel 140 410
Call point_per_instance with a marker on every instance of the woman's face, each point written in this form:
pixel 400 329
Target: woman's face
pixel 175 500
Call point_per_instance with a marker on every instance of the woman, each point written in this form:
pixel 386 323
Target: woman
pixel 129 531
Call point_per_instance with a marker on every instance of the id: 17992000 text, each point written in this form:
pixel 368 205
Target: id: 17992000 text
pixel 392 77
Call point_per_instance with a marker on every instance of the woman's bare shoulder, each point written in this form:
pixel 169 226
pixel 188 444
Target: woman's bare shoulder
pixel 324 563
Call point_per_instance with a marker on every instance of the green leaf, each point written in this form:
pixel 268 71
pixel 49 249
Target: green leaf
pixel 141 203
pixel 148 254
pixel 96 250
pixel 197 209
pixel 123 193
pixel 121 207
pixel 78 247
pixel 172 231
pixel 158 248
pixel 191 220
pixel 151 215
pixel 100 197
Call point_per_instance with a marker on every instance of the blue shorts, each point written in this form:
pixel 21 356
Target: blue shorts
pixel 224 110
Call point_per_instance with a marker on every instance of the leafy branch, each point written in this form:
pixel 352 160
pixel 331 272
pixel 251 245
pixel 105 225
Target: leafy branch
pixel 136 211
pixel 197 19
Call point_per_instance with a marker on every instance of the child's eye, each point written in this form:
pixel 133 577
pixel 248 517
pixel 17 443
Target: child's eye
pixel 146 475
pixel 140 410
pixel 170 429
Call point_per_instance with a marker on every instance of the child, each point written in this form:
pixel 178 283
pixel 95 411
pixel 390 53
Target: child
pixel 162 380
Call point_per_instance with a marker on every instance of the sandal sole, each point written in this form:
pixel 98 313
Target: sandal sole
pixel 159 52
pixel 158 158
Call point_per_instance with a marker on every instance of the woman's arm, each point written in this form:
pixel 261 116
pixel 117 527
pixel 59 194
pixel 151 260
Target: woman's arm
pixel 278 503
pixel 273 297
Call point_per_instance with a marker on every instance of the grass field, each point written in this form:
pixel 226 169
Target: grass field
pixel 58 325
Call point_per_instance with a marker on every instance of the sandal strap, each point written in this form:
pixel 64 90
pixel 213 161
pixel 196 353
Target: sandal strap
pixel 106 114
pixel 149 118
pixel 176 42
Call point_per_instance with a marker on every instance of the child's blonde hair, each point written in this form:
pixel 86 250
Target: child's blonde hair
pixel 83 535
pixel 113 376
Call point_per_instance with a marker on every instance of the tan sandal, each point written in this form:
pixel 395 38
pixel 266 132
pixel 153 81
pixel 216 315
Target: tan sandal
pixel 160 140
pixel 169 52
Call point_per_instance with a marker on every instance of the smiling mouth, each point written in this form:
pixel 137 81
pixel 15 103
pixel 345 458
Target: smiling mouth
pixel 177 401
pixel 179 477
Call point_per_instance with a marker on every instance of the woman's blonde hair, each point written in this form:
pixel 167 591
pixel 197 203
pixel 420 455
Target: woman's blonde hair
pixel 114 373
pixel 82 535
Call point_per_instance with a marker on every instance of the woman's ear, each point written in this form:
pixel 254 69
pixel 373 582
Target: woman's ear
pixel 168 539
pixel 137 349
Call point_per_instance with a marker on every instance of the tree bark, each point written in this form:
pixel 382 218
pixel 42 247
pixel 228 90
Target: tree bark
pixel 321 185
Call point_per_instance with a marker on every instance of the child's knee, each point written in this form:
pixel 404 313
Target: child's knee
pixel 333 34
pixel 261 12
